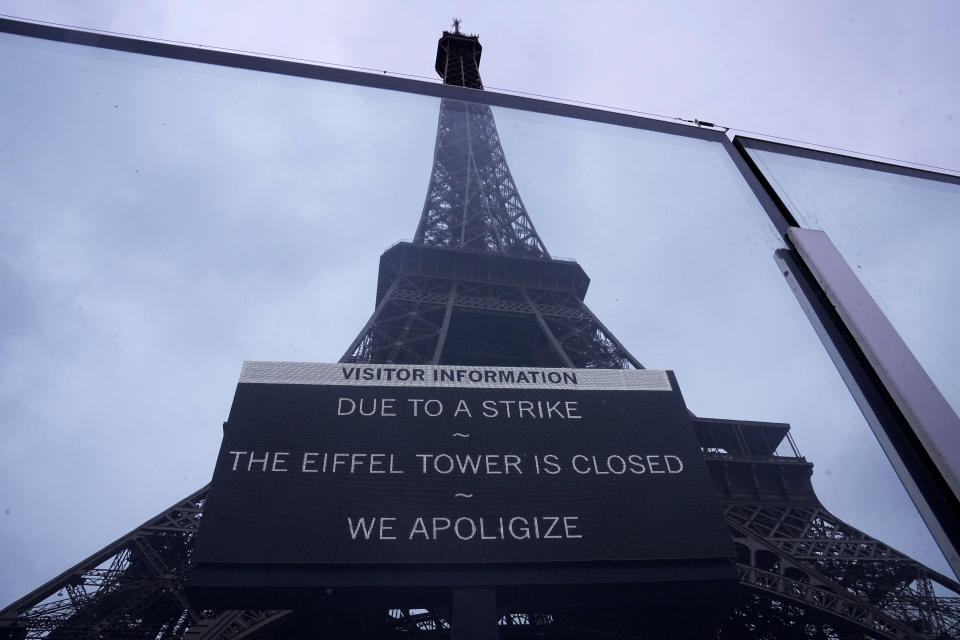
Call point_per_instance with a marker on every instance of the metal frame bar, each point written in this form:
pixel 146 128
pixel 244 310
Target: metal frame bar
pixel 226 58
pixel 940 175
pixel 904 409
pixel 932 419
pixel 908 415
pixel 775 208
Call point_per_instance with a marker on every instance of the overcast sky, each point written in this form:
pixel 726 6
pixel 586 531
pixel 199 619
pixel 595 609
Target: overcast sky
pixel 873 76
pixel 163 222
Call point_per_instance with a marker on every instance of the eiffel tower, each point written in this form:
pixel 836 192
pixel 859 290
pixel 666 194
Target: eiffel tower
pixel 477 286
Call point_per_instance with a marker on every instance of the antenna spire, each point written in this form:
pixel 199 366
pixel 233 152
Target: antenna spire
pixel 456 25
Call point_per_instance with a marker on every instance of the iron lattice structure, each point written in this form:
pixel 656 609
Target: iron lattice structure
pixel 477 286
pixel 473 202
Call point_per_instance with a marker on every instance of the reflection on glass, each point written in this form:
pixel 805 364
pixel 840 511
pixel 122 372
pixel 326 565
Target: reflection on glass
pixel 681 261
pixel 899 234
pixel 164 221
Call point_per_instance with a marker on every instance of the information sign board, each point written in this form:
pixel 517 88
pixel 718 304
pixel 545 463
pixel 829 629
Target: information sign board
pixel 342 464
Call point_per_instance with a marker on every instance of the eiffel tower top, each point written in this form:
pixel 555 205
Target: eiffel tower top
pixel 472 201
pixel 458 58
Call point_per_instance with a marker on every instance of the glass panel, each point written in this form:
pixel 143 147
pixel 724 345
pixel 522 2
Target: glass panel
pixel 681 260
pixel 899 233
pixel 164 220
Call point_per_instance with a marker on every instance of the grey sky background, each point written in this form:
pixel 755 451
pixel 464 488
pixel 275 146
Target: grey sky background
pixel 162 222
pixel 874 76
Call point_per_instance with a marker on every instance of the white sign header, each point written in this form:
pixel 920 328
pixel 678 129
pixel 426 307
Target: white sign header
pixel 410 375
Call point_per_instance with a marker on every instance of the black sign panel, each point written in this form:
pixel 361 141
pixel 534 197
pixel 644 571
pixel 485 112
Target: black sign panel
pixel 336 464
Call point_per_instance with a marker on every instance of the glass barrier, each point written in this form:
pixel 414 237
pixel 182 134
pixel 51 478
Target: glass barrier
pixel 162 222
pixel 681 260
pixel 165 220
pixel 898 231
